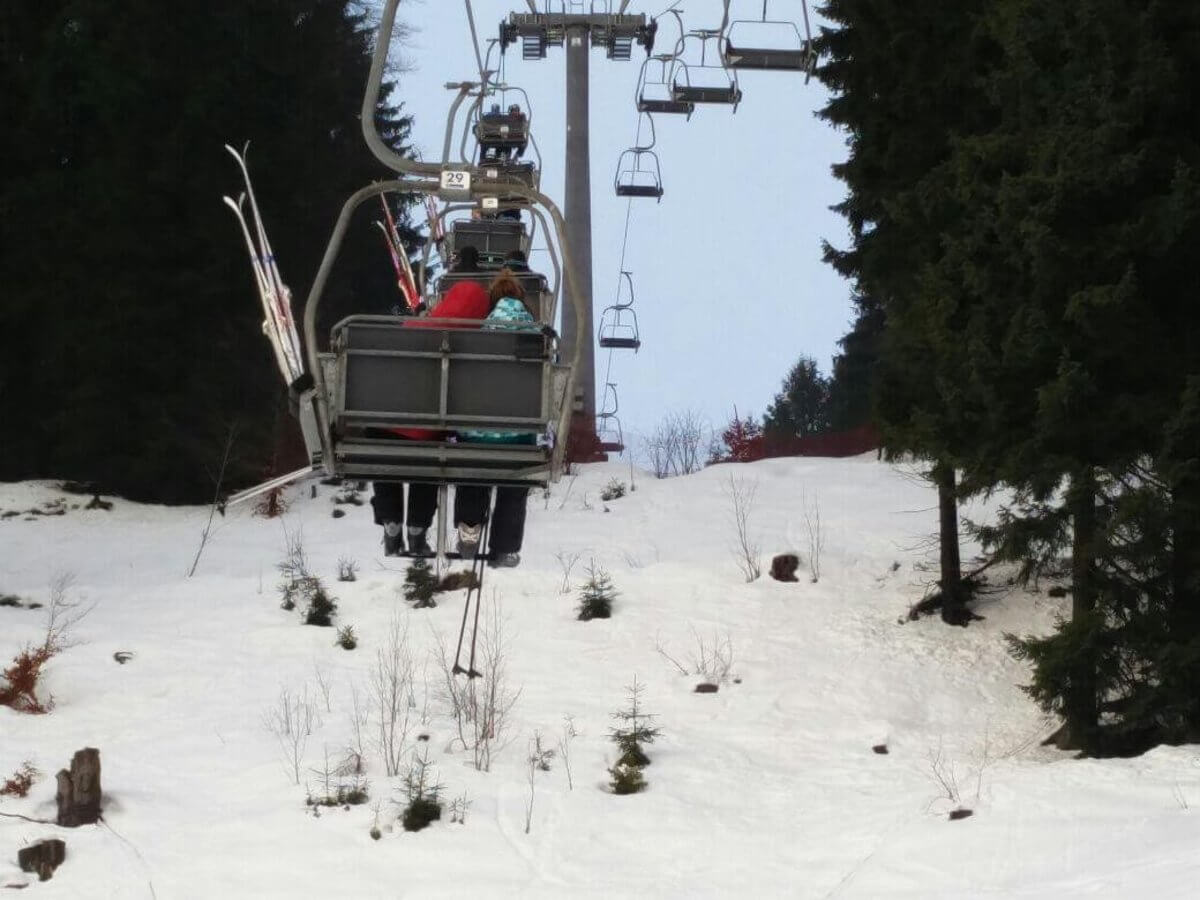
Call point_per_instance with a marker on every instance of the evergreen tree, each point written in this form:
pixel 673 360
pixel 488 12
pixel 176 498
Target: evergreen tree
pixel 1080 211
pixel 596 595
pixel 852 383
pixel 801 408
pixel 636 728
pixel 420 584
pixel 140 351
pixel 904 84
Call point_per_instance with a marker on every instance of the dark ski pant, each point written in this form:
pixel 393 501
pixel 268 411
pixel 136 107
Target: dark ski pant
pixel 470 506
pixel 388 502
pixel 508 519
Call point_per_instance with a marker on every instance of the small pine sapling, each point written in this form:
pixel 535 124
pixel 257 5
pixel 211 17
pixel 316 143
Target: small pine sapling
pixel 636 727
pixel 614 490
pixel 321 607
pixel 346 638
pixel 458 809
pixel 420 584
pixel 375 832
pixel 347 569
pixel 423 793
pixel 597 595
pixel 627 779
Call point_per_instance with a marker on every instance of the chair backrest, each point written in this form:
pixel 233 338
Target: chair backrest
pixel 489 236
pixel 537 289
pixel 401 372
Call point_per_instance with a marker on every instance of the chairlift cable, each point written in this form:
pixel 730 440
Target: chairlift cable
pixel 475 44
pixel 624 246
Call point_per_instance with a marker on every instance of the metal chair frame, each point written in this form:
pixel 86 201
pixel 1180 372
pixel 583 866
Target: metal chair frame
pixel 684 90
pixel 666 104
pixel 616 330
pixel 608 425
pixel 801 59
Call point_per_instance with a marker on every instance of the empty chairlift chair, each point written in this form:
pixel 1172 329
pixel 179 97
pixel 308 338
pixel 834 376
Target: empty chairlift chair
pixel 638 171
pixel 706 80
pixel 609 438
pixel 654 88
pixel 746 44
pixel 639 174
pixel 618 323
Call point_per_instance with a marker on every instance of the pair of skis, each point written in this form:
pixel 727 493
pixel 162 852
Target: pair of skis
pixel 404 273
pixel 278 323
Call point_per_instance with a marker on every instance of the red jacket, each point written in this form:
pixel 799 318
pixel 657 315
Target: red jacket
pixel 466 300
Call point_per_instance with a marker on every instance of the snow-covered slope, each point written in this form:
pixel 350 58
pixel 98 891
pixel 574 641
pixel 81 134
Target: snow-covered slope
pixel 768 788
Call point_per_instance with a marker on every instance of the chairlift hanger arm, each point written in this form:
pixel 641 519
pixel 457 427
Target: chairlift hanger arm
pixel 424 178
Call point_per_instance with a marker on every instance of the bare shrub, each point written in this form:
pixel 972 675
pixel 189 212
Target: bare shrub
pixel 538 760
pixel 746 549
pixel 569 733
pixel 63 614
pixel 391 681
pixel 944 773
pixel 815 533
pixel 292 720
pixel 217 505
pixel 356 747
pixel 492 696
pixel 20 782
pixel 567 562
pixel 323 685
pixel 19 682
pixel 711 659
pixel 458 809
pixel 675 445
pixel 347 569
pixel 481 707
pixel 338 786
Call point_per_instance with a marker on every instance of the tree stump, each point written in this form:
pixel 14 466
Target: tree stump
pixel 79 789
pixel 43 857
pixel 783 567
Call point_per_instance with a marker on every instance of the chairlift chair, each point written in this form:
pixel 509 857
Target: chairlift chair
pixel 618 323
pixel 799 56
pixel 654 94
pixel 683 86
pixel 638 174
pixel 609 438
pixel 502 135
pixel 493 238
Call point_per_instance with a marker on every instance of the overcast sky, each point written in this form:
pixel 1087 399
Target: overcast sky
pixel 730 287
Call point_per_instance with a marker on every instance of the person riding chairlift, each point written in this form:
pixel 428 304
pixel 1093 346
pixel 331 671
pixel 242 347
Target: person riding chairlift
pixel 467 299
pixel 507 310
